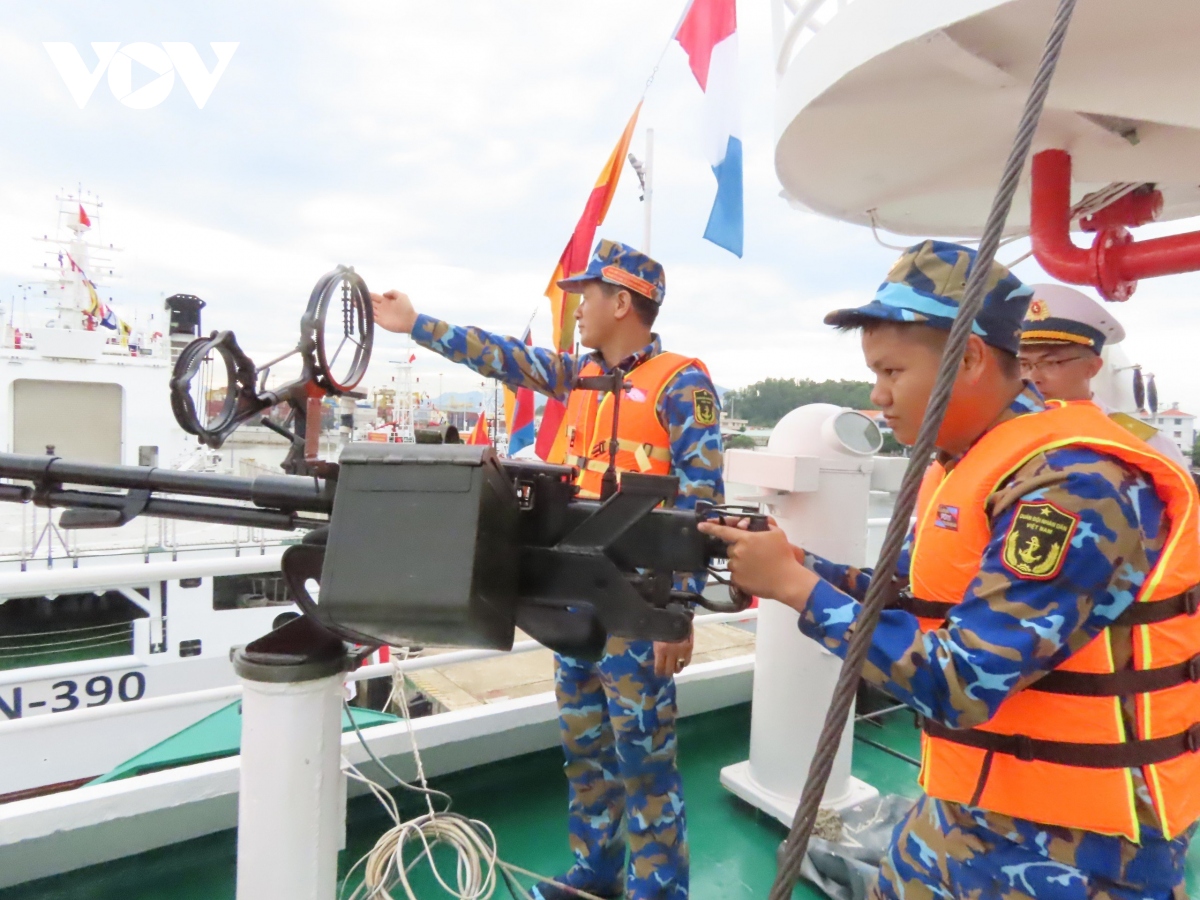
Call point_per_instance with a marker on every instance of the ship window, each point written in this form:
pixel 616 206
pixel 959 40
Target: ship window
pixel 82 420
pixel 40 630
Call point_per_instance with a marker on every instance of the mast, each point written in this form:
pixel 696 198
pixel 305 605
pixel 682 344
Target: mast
pixel 404 396
pixel 80 265
pixel 648 189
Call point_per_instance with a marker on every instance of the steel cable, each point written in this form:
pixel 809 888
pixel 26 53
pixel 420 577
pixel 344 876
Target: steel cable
pixel 793 851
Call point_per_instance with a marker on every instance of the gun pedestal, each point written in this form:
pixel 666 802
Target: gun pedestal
pixel 292 796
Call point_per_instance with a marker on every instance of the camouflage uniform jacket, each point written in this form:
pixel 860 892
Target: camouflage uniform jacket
pixel 1004 635
pixel 696 457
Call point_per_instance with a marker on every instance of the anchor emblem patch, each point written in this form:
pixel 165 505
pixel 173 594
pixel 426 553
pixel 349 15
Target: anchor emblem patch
pixel 1037 540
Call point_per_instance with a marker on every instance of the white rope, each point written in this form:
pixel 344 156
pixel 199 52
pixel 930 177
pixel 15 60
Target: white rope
pixel 472 841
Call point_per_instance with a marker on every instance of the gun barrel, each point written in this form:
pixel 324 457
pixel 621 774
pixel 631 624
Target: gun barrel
pixel 289 492
pixel 189 510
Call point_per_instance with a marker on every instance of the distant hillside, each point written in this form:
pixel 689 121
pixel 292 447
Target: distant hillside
pixel 766 402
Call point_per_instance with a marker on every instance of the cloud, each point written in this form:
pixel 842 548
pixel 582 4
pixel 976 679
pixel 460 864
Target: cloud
pixel 445 149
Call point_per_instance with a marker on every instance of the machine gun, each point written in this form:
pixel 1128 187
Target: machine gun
pixel 406 543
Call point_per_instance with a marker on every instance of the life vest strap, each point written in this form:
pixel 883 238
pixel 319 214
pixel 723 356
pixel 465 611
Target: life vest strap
pixel 1118 684
pixel 1149 613
pixel 643 452
pixel 587 464
pixel 1128 755
pixel 922 609
pixel 1143 613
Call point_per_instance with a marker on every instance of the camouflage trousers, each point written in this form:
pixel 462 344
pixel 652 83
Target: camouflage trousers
pixel 617 724
pixel 940 851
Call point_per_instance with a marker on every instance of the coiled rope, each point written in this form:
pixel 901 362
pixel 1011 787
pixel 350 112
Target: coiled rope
pixel 793 851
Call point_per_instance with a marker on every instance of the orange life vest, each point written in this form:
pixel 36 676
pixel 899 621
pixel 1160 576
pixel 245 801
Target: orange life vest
pixel 1058 752
pixel 643 444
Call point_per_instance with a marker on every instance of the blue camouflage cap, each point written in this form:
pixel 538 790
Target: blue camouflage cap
pixel 927 285
pixel 619 264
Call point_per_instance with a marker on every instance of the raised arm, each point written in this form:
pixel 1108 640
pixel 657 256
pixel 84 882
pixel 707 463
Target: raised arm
pixel 491 355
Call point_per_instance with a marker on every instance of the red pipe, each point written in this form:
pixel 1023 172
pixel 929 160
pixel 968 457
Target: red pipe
pixel 1171 255
pixel 1115 262
pixel 1050 220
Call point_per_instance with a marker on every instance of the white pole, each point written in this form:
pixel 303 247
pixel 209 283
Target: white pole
pixel 649 189
pixel 292 799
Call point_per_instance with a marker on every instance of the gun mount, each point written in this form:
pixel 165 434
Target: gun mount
pixel 429 544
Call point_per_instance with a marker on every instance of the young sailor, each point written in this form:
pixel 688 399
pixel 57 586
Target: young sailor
pixel 1061 339
pixel 616 716
pixel 1046 627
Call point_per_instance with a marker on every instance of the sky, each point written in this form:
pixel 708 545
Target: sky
pixel 445 149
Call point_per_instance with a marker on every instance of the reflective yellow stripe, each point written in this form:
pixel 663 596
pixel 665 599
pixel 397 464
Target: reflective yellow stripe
pixel 922 524
pixel 926 762
pixel 1122 737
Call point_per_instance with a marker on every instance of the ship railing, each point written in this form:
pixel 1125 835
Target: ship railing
pixel 794 22
pixel 364 673
pixel 40 539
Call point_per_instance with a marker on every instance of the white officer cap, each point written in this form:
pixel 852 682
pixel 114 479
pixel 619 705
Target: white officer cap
pixel 1063 315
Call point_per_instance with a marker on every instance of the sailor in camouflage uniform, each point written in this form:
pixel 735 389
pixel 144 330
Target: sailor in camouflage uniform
pixel 1025 612
pixel 616 716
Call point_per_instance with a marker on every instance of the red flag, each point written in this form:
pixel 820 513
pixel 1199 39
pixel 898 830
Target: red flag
pixel 83 217
pixel 479 435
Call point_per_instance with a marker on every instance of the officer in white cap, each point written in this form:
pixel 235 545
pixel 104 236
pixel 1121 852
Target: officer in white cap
pixel 1061 339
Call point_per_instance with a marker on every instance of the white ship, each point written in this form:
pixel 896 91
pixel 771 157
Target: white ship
pixel 106 619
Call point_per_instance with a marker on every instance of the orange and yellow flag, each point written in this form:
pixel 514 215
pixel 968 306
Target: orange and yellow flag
pixel 551 439
pixel 479 434
pixel 575 257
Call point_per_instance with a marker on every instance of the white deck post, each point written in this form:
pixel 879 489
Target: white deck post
pixel 816 474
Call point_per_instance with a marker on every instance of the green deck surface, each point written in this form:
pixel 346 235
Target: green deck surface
pixel 524 801
pixel 213 737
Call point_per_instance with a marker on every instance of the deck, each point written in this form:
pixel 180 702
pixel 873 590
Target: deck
pixel 733 845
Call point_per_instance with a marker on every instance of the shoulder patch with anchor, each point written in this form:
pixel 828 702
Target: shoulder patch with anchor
pixel 1037 540
pixel 705 405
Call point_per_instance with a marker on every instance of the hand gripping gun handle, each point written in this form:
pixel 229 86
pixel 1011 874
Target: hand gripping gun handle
pixel 730 515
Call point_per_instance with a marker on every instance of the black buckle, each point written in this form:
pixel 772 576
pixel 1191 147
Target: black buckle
pixel 1191 600
pixel 1024 745
pixel 1193 668
pixel 1191 738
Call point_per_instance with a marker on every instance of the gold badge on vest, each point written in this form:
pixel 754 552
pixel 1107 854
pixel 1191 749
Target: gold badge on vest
pixel 1037 539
